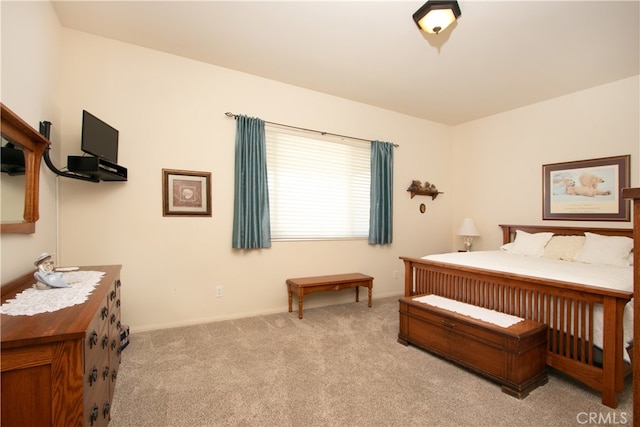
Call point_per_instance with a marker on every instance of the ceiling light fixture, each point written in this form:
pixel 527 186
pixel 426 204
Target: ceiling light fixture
pixel 436 15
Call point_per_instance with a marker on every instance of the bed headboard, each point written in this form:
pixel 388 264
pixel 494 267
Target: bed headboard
pixel 509 231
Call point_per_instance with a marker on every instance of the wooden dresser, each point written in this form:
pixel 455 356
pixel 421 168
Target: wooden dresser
pixel 60 368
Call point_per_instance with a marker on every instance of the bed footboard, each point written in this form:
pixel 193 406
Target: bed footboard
pixel 570 312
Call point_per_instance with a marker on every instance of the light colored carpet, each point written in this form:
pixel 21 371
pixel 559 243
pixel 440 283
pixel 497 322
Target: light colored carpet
pixel 339 366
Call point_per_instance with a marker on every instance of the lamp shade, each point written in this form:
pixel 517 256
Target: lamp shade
pixel 436 15
pixel 468 228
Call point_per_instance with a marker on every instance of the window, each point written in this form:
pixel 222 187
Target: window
pixel 318 185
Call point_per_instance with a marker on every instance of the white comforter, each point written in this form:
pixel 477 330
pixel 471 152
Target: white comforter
pixel 602 276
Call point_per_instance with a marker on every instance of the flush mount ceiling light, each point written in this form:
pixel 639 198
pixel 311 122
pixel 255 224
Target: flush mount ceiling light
pixel 435 15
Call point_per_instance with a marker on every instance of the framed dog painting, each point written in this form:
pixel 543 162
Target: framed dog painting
pixel 586 190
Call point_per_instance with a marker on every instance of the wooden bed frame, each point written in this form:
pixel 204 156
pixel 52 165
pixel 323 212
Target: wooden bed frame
pixel 543 300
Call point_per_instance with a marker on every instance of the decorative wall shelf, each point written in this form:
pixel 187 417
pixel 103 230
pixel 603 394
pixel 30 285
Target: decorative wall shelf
pixel 433 194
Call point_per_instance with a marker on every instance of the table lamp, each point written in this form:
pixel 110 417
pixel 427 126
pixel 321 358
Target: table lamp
pixel 468 231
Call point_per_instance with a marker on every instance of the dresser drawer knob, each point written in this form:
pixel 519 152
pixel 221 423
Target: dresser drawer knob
pixel 104 313
pixel 113 344
pixel 112 295
pixel 113 319
pixel 94 414
pixel 114 374
pixel 105 410
pixel 105 342
pixel 93 376
pixel 105 373
pixel 93 339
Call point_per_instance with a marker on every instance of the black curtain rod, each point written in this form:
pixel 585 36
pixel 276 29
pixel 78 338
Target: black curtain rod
pixel 228 114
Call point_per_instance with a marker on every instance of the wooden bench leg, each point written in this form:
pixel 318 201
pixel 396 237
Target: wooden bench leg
pixel 370 292
pixel 290 292
pixel 357 293
pixel 300 299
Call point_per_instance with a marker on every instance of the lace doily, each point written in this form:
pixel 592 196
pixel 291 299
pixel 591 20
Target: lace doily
pixel 33 301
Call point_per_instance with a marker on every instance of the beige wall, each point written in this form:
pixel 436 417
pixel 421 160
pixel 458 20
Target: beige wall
pixel 30 55
pixel 498 160
pixel 170 114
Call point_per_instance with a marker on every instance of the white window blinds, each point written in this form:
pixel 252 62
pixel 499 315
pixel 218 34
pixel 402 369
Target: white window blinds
pixel 318 185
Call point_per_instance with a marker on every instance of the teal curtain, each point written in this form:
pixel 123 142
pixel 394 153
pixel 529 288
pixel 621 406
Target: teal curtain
pixel 251 227
pixel 381 204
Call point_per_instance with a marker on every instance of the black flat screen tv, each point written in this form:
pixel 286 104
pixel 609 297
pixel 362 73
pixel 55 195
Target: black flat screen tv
pixel 98 138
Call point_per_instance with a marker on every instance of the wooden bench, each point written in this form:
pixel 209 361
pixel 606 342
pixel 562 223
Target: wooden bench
pixel 305 285
pixel 514 356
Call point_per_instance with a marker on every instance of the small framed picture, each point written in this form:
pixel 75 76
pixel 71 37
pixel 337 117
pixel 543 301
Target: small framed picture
pixel 586 190
pixel 186 193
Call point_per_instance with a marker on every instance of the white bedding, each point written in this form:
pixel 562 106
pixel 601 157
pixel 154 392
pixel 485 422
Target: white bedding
pixel 598 275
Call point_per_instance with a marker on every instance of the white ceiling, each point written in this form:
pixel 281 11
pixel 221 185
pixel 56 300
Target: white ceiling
pixel 498 56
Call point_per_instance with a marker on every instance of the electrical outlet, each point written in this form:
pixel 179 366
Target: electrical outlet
pixel 219 291
pixel 395 274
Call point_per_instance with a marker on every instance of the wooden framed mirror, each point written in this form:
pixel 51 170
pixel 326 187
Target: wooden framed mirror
pixel 16 131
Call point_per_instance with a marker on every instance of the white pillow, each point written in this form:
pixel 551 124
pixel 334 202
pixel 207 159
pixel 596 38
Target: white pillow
pixel 563 247
pixel 506 247
pixel 528 244
pixel 610 250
